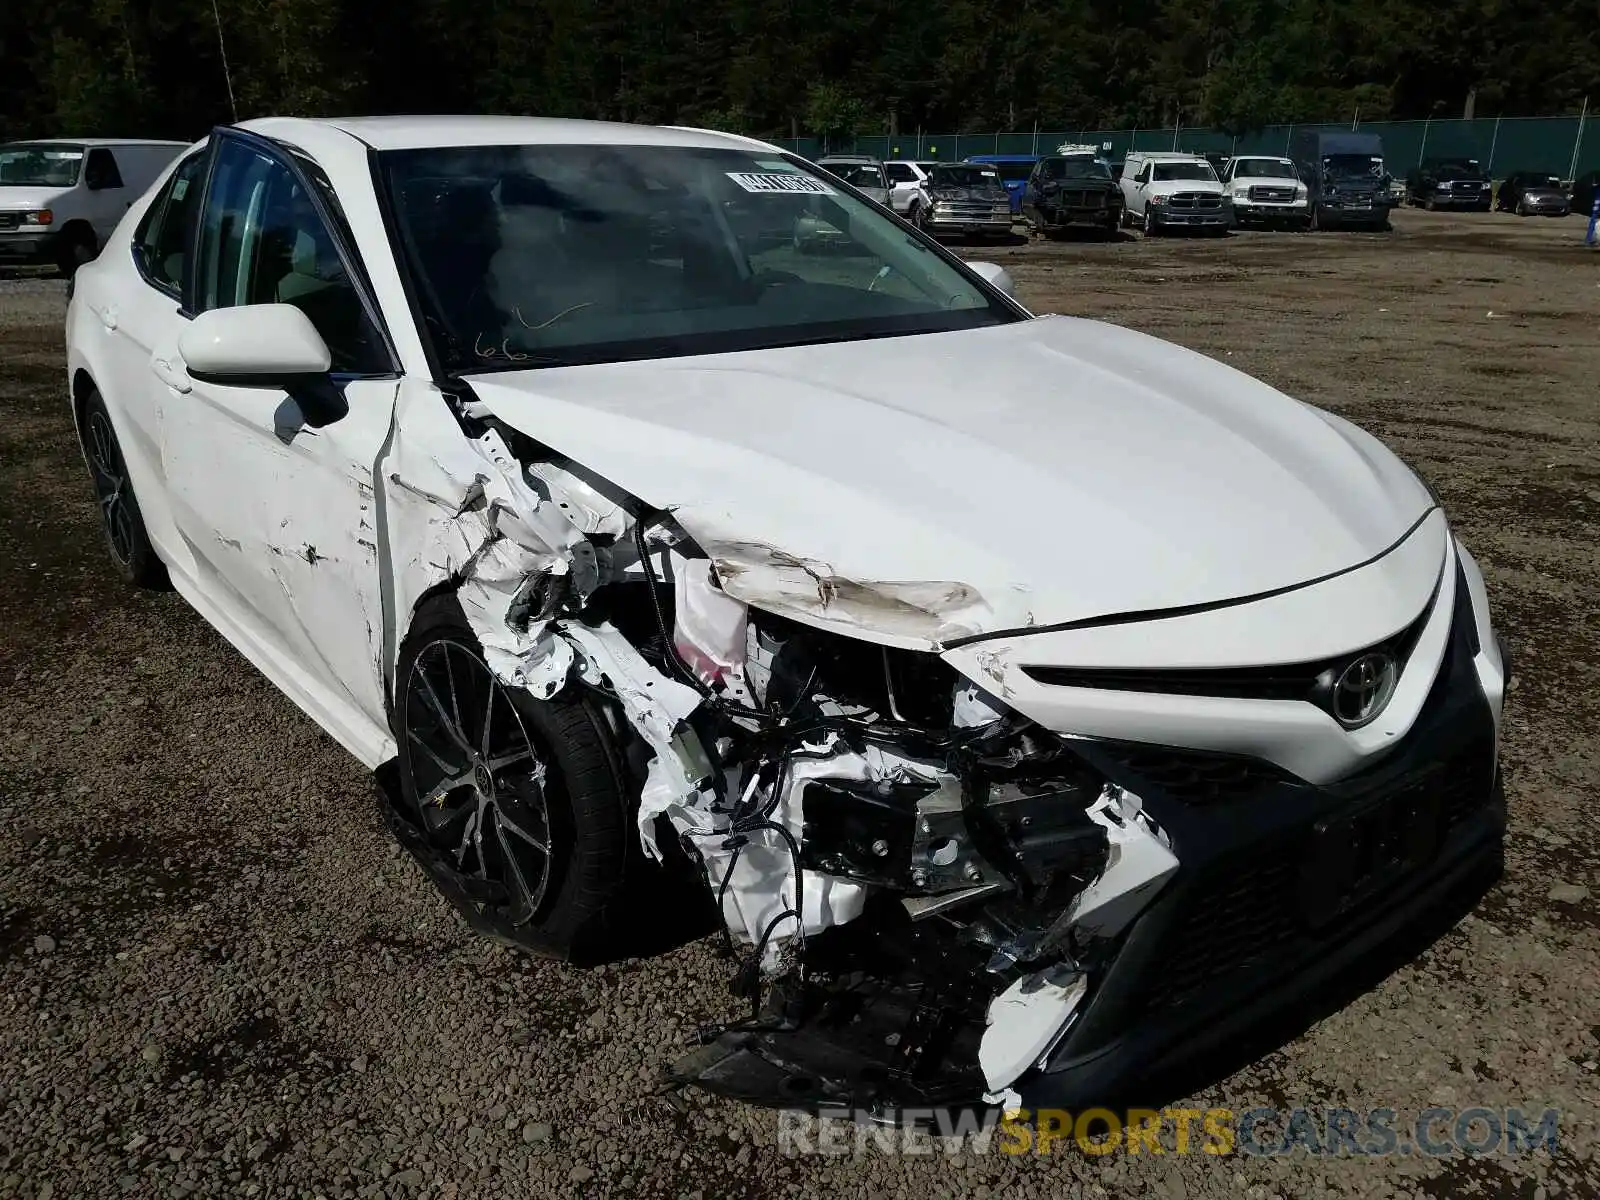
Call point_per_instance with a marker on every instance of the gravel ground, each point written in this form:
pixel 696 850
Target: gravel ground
pixel 218 977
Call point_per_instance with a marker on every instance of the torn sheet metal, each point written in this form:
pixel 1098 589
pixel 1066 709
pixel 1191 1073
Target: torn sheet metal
pixel 1027 1020
pixel 712 628
pixel 681 778
pixel 894 613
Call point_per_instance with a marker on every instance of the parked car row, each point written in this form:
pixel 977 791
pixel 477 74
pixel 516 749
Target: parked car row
pixel 1329 179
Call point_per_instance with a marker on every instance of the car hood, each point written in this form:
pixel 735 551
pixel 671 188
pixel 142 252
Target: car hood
pixel 29 198
pixel 967 193
pixel 1250 181
pixel 1167 187
pixel 917 490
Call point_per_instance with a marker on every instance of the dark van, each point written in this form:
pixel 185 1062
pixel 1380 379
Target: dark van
pixel 1345 178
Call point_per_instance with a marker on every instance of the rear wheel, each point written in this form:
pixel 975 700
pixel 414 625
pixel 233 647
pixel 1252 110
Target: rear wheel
pixel 132 554
pixel 522 801
pixel 76 247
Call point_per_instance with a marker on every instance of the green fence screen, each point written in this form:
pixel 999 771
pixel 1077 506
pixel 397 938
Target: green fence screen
pixel 1564 146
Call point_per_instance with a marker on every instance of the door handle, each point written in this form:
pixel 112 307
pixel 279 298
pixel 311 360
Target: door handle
pixel 170 371
pixel 108 318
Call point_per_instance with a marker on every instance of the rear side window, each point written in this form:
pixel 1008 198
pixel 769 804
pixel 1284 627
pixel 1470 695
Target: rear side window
pixel 161 242
pixel 101 169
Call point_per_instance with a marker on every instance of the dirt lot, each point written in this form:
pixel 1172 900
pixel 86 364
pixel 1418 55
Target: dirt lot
pixel 217 976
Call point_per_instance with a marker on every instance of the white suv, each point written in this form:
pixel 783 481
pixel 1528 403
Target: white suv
pixel 1162 191
pixel 1266 190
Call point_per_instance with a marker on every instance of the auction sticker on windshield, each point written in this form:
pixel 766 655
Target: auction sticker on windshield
pixel 752 182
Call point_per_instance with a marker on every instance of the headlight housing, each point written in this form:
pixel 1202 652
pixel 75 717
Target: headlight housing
pixel 42 216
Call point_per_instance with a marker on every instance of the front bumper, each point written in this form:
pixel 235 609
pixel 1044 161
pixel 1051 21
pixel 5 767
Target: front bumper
pixel 1093 216
pixel 956 222
pixel 28 248
pixel 1374 211
pixel 1255 210
pixel 1262 922
pixel 1466 200
pixel 1190 218
pixel 1547 207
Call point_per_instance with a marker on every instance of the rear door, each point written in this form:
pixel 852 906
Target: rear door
pixel 279 516
pixel 136 315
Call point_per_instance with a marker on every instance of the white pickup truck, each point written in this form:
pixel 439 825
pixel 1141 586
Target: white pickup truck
pixel 1266 190
pixel 1162 191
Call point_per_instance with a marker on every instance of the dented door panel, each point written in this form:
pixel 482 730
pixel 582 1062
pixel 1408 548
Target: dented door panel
pixel 284 524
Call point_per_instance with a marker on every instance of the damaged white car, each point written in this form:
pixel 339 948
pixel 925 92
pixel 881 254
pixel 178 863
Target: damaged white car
pixel 1028 737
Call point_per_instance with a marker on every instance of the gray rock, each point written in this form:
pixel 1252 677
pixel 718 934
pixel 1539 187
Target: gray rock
pixel 1567 893
pixel 44 943
pixel 410 1177
pixel 580 1175
pixel 535 1132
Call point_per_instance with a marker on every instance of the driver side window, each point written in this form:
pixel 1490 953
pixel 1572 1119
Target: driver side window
pixel 262 241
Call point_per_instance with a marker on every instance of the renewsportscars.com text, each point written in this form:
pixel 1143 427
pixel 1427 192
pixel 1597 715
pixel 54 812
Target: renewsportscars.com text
pixel 1377 1132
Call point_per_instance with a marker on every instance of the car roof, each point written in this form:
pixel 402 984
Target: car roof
pixel 1003 158
pixel 1167 155
pixel 92 142
pixel 433 132
pixel 865 159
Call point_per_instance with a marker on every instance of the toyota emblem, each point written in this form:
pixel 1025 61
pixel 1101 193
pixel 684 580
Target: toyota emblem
pixel 1363 689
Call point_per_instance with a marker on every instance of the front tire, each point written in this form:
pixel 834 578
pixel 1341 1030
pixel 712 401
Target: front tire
pixel 1150 228
pixel 76 247
pixel 522 801
pixel 133 557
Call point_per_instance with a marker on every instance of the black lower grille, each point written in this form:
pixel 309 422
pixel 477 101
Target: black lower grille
pixel 1269 905
pixel 1243 918
pixel 10 220
pixel 1192 776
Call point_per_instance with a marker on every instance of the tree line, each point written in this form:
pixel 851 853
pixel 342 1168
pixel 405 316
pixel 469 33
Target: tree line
pixel 782 68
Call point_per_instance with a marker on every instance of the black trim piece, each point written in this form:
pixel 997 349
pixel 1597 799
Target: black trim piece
pixel 1309 681
pixel 1185 610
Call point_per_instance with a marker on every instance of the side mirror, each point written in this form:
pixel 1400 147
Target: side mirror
pixel 995 276
pixel 271 346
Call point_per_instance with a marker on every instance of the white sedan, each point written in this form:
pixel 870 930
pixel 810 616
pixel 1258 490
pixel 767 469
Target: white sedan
pixel 1041 703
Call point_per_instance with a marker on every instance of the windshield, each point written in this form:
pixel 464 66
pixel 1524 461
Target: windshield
pixel 553 255
pixel 1264 168
pixel 961 175
pixel 22 164
pixel 1014 172
pixel 1459 171
pixel 1083 168
pixel 1167 171
pixel 1352 166
pixel 861 175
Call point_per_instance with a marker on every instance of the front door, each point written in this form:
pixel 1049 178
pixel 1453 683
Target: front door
pixel 279 516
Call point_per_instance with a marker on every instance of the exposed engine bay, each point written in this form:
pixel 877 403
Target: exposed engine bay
pixel 916 882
